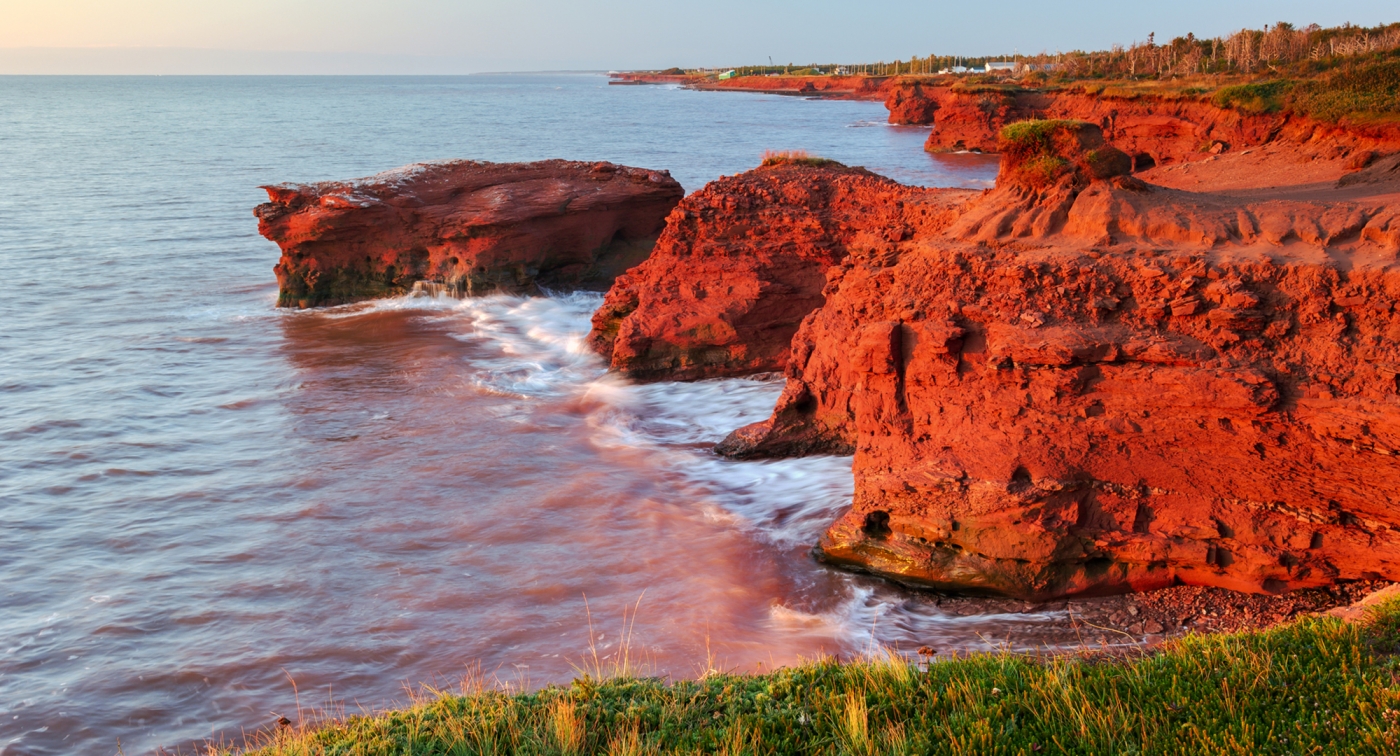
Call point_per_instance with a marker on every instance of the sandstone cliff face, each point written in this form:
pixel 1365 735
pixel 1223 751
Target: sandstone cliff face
pixel 1096 385
pixel 475 227
pixel 910 105
pixel 743 260
pixel 1153 131
pixel 827 87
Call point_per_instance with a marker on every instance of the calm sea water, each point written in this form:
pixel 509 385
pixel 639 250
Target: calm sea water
pixel 212 511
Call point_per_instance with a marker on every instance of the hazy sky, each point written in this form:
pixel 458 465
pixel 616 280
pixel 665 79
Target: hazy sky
pixel 463 36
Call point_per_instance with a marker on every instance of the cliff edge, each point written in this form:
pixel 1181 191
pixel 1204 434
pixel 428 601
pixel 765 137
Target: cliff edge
pixel 1090 384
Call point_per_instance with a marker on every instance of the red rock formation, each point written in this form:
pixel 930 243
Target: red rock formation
pixel 909 105
pixel 829 87
pixel 1098 385
pixel 476 227
pixel 1154 131
pixel 743 260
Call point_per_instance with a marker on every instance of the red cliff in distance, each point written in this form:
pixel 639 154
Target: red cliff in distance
pixel 472 226
pixel 1153 130
pixel 743 260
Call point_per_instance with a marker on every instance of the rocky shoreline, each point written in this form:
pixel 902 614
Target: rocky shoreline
pixel 1161 354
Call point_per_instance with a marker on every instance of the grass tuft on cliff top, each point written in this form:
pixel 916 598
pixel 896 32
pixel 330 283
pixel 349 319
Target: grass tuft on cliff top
pixel 1314 686
pixel 1035 135
pixel 798 157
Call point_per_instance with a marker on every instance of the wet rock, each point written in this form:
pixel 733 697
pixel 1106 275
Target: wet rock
pixel 472 227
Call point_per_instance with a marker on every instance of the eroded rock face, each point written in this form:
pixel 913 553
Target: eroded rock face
pixel 1035 423
pixel 474 227
pixel 743 260
pixel 1096 385
pixel 909 105
pixel 1152 131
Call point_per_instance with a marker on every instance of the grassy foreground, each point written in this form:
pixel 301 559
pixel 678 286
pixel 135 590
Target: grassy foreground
pixel 1315 686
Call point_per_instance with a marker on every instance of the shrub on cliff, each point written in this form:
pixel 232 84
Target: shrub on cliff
pixel 797 157
pixel 1038 153
pixel 1372 90
pixel 1257 97
pixel 1361 91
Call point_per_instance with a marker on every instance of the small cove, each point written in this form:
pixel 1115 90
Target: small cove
pixel 206 499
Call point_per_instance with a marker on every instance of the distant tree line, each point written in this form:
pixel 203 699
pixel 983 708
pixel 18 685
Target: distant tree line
pixel 1248 51
pixel 1280 48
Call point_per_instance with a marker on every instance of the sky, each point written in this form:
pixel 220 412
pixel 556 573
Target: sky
pixel 469 36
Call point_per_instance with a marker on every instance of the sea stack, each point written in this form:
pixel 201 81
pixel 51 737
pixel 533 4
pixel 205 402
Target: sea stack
pixel 472 226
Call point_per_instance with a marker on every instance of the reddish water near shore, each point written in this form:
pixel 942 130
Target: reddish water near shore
pixel 210 509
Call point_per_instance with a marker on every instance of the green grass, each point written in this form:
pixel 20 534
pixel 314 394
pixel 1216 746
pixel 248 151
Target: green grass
pixel 1315 686
pixel 1035 135
pixel 1363 91
pixel 798 157
pixel 995 88
pixel 1255 97
pixel 1358 92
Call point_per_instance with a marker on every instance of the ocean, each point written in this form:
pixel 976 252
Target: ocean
pixel 215 513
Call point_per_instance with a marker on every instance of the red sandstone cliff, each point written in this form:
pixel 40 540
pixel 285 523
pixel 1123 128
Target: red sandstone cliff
pixel 473 226
pixel 1090 384
pixel 828 87
pixel 1153 130
pixel 743 260
pixel 909 104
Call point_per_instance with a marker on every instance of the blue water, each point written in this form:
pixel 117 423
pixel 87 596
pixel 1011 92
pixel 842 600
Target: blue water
pixel 211 510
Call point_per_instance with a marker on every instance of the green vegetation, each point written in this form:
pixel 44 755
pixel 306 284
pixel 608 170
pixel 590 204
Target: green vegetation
pixel 1355 93
pixel 1315 686
pixel 1345 72
pixel 1258 97
pixel 1358 91
pixel 1030 147
pixel 1035 136
pixel 798 157
pixel 987 85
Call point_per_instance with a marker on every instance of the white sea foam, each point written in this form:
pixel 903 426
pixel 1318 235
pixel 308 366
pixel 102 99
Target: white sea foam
pixel 541 351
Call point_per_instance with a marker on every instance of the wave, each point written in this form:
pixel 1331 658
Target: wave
pixel 535 347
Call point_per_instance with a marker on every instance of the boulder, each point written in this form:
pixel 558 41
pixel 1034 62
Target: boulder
pixel 472 226
pixel 909 105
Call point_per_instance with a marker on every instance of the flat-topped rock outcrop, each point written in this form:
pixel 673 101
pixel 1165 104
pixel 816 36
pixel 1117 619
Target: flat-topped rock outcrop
pixel 472 226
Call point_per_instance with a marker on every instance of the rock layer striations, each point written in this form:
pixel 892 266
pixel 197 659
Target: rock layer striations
pixel 1079 382
pixel 742 261
pixel 1152 130
pixel 474 227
